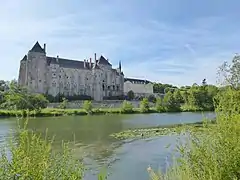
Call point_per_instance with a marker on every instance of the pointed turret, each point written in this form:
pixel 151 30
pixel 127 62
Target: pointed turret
pixel 37 48
pixel 120 66
pixel 24 58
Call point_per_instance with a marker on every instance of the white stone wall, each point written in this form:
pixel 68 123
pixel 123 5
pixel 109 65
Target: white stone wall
pixel 53 79
pixel 138 88
pixel 36 72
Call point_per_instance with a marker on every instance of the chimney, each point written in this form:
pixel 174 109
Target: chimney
pixel 95 58
pixel 84 63
pixel 90 63
pixel 44 47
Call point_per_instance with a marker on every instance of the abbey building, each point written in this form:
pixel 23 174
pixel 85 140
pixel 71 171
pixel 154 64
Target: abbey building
pixel 54 75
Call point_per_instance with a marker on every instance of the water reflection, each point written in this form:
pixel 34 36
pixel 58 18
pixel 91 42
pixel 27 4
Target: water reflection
pixel 124 159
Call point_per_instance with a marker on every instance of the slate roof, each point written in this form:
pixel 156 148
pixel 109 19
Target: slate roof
pixel 138 81
pixel 37 48
pixel 103 61
pixel 24 58
pixel 68 63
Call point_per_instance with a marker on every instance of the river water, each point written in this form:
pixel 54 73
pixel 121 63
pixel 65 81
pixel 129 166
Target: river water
pixel 123 159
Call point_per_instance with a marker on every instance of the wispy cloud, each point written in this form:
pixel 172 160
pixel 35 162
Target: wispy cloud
pixel 151 40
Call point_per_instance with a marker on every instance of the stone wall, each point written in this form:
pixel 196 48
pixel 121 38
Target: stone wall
pixel 102 104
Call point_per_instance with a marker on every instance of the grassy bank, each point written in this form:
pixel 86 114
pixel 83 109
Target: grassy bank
pixel 49 112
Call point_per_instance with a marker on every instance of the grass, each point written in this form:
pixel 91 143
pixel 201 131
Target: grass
pixel 211 155
pixel 32 157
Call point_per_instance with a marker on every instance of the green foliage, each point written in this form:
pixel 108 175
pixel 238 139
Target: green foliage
pixel 130 95
pixel 177 96
pixel 215 153
pixel 15 97
pixel 33 158
pixel 162 88
pixel 87 105
pixel 228 102
pixel 171 105
pixel 152 98
pixel 159 105
pixel 127 107
pixel 63 104
pixel 144 106
pixel 229 73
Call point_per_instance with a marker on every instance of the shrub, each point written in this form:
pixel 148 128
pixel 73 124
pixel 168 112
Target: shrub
pixel 87 106
pixel 127 107
pixel 63 104
pixel 130 95
pixel 33 158
pixel 214 153
pixel 152 98
pixel 144 106
pixel 159 105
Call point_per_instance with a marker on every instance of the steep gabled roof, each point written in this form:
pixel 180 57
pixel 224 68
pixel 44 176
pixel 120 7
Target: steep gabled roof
pixel 103 61
pixel 37 48
pixel 24 58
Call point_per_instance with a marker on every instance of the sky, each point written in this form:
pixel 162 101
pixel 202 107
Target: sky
pixel 180 42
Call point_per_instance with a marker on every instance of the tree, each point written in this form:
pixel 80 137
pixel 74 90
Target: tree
pixel 177 96
pixel 144 105
pixel 204 82
pixel 159 105
pixel 229 73
pixel 170 103
pixel 127 107
pixel 130 95
pixel 151 98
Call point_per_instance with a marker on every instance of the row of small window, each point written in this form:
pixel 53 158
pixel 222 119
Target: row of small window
pixel 138 82
pixel 109 87
pixel 54 75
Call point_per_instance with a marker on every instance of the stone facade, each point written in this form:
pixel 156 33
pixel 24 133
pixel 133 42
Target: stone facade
pixel 54 75
pixel 138 86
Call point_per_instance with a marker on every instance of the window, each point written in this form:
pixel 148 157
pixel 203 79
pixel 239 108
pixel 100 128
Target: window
pixel 117 88
pixel 40 80
pixel 60 76
pixel 113 87
pixel 103 87
pixel 108 87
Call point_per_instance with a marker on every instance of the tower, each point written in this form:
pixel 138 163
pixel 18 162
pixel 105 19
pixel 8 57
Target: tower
pixel 36 69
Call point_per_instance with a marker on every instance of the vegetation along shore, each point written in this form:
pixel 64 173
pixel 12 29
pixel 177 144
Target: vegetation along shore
pixel 15 100
pixel 214 153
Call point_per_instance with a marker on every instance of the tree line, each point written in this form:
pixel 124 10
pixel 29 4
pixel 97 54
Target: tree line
pixel 196 97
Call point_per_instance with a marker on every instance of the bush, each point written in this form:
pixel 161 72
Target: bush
pixel 215 152
pixel 127 107
pixel 159 105
pixel 130 95
pixel 63 104
pixel 144 106
pixel 152 98
pixel 33 158
pixel 87 106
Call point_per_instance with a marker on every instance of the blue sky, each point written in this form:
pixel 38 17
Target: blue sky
pixel 169 41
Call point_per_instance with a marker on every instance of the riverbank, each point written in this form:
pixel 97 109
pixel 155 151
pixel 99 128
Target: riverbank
pixel 164 130
pixel 51 112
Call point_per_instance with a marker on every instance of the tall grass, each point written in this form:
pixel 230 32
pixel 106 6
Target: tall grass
pixel 28 156
pixel 211 155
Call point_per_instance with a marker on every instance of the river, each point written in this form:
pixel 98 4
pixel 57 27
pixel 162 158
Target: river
pixel 124 159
